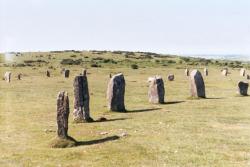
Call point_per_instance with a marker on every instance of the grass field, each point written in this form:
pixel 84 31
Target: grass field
pixel 183 132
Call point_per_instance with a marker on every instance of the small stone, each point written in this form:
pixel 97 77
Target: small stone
pixel 187 72
pixel 205 71
pixel 7 76
pixel 171 77
pixel 124 134
pixel 104 133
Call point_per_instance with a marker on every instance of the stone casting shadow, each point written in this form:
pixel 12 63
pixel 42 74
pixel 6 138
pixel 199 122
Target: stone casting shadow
pixel 173 102
pixel 97 141
pixel 142 110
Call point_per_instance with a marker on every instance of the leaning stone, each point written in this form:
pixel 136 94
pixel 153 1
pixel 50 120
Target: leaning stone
pixel 7 77
pixel 242 72
pixel 187 72
pixel 243 88
pixel 116 93
pixel 205 71
pixel 171 77
pixel 197 84
pixel 156 90
pixel 81 101
pixel 66 73
pixel 62 115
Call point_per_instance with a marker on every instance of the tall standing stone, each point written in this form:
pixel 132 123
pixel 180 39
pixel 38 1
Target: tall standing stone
pixel 66 73
pixel 224 72
pixel 248 76
pixel 81 101
pixel 7 76
pixel 187 72
pixel 197 84
pixel 47 73
pixel 62 115
pixel 242 72
pixel 205 71
pixel 243 88
pixel 116 93
pixel 156 92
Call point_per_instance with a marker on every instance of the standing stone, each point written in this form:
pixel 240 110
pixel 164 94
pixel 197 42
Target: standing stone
pixel 197 84
pixel 81 102
pixel 187 72
pixel 248 76
pixel 110 75
pixel 7 76
pixel 171 77
pixel 205 71
pixel 47 73
pixel 156 90
pixel 224 72
pixel 66 73
pixel 243 88
pixel 116 93
pixel 62 115
pixel 19 76
pixel 242 72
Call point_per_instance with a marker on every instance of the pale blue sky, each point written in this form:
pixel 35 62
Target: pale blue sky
pixel 163 26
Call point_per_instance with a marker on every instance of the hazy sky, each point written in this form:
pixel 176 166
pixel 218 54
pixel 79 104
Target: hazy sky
pixel 163 26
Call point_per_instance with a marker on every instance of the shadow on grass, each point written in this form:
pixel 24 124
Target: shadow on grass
pixel 173 102
pixel 97 141
pixel 142 110
pixel 111 120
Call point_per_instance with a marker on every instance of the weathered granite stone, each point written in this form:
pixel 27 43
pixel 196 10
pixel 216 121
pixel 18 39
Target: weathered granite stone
pixel 243 88
pixel 62 115
pixel 81 111
pixel 242 72
pixel 47 73
pixel 171 77
pixel 7 76
pixel 156 92
pixel 66 73
pixel 116 93
pixel 187 72
pixel 205 71
pixel 197 84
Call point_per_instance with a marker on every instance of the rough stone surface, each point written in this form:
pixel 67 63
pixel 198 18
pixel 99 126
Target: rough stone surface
pixel 116 93
pixel 66 73
pixel 62 115
pixel 197 84
pixel 156 92
pixel 187 72
pixel 7 77
pixel 243 88
pixel 242 72
pixel 171 77
pixel 47 73
pixel 205 71
pixel 81 101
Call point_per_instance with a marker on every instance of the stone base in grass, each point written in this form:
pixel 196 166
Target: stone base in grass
pixel 63 143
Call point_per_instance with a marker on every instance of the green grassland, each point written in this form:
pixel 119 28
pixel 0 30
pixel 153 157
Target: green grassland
pixel 183 132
